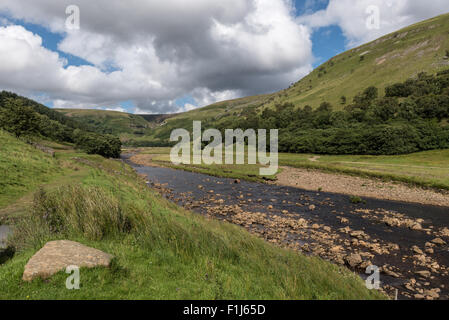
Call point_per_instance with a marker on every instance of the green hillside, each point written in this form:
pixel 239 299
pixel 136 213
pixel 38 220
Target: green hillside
pixel 110 122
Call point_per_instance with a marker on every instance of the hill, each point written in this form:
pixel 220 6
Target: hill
pixel 109 122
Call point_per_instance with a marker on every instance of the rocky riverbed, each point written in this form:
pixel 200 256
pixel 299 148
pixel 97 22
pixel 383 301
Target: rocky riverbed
pixel 408 242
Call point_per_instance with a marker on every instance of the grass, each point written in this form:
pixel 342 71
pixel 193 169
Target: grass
pixel 161 251
pixel 23 168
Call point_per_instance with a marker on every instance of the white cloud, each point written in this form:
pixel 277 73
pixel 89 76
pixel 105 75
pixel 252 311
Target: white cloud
pixel 157 51
pixel 351 16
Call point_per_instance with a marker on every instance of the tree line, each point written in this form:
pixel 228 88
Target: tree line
pixel 412 116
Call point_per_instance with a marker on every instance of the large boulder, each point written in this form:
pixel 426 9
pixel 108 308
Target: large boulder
pixel 56 256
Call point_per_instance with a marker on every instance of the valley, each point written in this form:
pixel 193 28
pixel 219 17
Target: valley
pixel 360 182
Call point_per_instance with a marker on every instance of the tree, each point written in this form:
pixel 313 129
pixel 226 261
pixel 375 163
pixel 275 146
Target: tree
pixel 18 119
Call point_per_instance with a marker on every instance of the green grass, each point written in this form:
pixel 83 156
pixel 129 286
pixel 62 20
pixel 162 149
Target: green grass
pixel 161 251
pixel 23 168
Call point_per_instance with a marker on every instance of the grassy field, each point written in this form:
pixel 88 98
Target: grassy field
pixel 161 251
pixel 23 168
pixel 427 169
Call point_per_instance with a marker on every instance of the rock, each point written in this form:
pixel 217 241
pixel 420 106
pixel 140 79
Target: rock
pixel 353 260
pixel 445 232
pixel 417 250
pixel 236 181
pixel 416 226
pixel 391 273
pixel 439 241
pixel 419 296
pixel 344 220
pixel 270 207
pixel 423 273
pixel 327 229
pixel 392 222
pixel 312 207
pixel 433 293
pixel 55 256
pixel 359 235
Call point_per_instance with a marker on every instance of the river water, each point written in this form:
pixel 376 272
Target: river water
pixel 200 193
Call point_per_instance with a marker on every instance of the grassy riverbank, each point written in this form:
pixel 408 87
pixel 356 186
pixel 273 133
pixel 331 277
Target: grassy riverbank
pixel 161 251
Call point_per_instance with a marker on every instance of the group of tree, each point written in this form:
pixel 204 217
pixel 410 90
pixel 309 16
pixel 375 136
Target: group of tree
pixel 410 117
pixel 26 118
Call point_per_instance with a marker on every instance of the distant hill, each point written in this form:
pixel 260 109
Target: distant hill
pixel 110 122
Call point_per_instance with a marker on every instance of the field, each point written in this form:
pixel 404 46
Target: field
pixel 163 251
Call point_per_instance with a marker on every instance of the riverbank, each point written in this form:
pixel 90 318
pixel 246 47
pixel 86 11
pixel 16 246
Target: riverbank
pixel 310 179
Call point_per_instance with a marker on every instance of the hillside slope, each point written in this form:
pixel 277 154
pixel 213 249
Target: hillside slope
pixel 111 122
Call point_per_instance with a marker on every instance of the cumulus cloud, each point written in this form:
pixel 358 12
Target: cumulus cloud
pixel 154 52
pixel 352 16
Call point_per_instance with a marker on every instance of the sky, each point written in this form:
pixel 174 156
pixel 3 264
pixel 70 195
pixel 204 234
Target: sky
pixel 152 56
